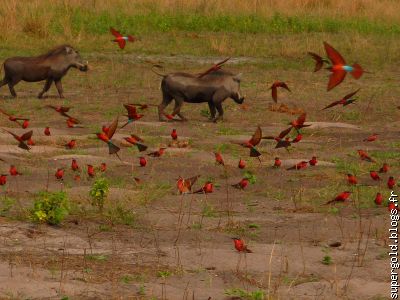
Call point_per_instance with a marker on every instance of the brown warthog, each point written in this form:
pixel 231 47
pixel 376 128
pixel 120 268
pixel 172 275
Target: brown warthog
pixel 51 66
pixel 212 88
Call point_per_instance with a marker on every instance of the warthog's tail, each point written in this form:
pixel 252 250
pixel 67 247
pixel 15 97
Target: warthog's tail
pixel 158 67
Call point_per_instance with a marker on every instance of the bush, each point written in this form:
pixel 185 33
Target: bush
pixel 99 192
pixel 50 208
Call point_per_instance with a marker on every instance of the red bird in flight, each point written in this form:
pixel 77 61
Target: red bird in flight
pixel 319 61
pixel 214 68
pixel 252 143
pixel 22 139
pixel 132 114
pixel 106 137
pixel 15 119
pixel 339 67
pixel 120 39
pixel 346 100
pixel 274 89
pixel 135 140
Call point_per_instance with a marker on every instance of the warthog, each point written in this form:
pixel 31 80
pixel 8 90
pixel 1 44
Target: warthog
pixel 51 66
pixel 212 88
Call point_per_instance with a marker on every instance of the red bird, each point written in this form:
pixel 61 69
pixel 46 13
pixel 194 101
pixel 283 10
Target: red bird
pixel 240 245
pixel 174 135
pixel 242 164
pixel 71 123
pixel 351 179
pixel 13 171
pixel 340 198
pixel 299 122
pixel 214 68
pixel 157 153
pixel 59 174
pixel 218 159
pixel 71 144
pixel 319 61
pixel 3 179
pixel 132 114
pixel 103 167
pixel 391 182
pixel 242 184
pixel 297 138
pixel 120 39
pixel 142 161
pixel 25 124
pixel 374 175
pixel 339 68
pixel 277 162
pixel 169 117
pixel 62 110
pixel 279 139
pixel 31 142
pixel 252 143
pixel 391 206
pixel 274 89
pixel 364 156
pixel 135 140
pixel 185 185
pixel 47 131
pixel 346 100
pixel 371 138
pixel 313 161
pixel 22 139
pixel 378 199
pixel 299 166
pixel 74 165
pixel 16 119
pixel 384 168
pixel 90 170
pixel 106 137
pixel 206 189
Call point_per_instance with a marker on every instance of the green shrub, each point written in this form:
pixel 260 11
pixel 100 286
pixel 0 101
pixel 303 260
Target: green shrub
pixel 50 208
pixel 99 192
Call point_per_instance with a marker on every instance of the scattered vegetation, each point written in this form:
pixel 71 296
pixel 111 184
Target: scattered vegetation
pixel 99 192
pixel 50 207
pixel 242 294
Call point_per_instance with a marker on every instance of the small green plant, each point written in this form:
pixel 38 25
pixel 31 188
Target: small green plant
pixel 127 279
pixel 250 176
pixel 164 274
pixel 99 192
pixel 254 295
pixel 6 204
pixel 97 257
pixel 50 208
pixel 327 260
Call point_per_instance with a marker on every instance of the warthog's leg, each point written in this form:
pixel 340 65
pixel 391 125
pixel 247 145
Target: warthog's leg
pixel 213 111
pixel 166 100
pixel 220 112
pixel 46 87
pixel 59 88
pixel 177 109
pixel 11 84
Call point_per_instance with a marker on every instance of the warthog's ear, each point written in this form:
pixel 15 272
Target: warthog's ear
pixel 238 77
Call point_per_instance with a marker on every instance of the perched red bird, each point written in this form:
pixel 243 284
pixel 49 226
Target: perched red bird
pixel 157 153
pixel 103 167
pixel 142 161
pixel 241 164
pixel 135 140
pixel 391 182
pixel 319 61
pixel 207 188
pixel 364 156
pixel 371 138
pixel 339 68
pixel 106 137
pixel 16 119
pixel 313 161
pixel 185 185
pixel 391 206
pixel 242 184
pixel 90 170
pixel 346 100
pixel 214 68
pixel 13 171
pixel 240 245
pixel 374 175
pixel 120 39
pixel 218 159
pixel 378 199
pixel 384 169
pixel 59 174
pixel 25 124
pixel 352 179
pixel 132 114
pixel 340 198
pixel 47 131
pixel 174 135
pixel 74 165
pixel 71 144
pixel 277 162
pixel 252 143
pixel 22 139
pixel 299 166
pixel 3 179
pixel 274 89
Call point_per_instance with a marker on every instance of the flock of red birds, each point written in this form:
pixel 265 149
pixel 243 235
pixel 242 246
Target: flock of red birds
pixel 336 65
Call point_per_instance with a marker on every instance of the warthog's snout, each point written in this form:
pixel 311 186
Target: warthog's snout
pixel 240 101
pixel 83 67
